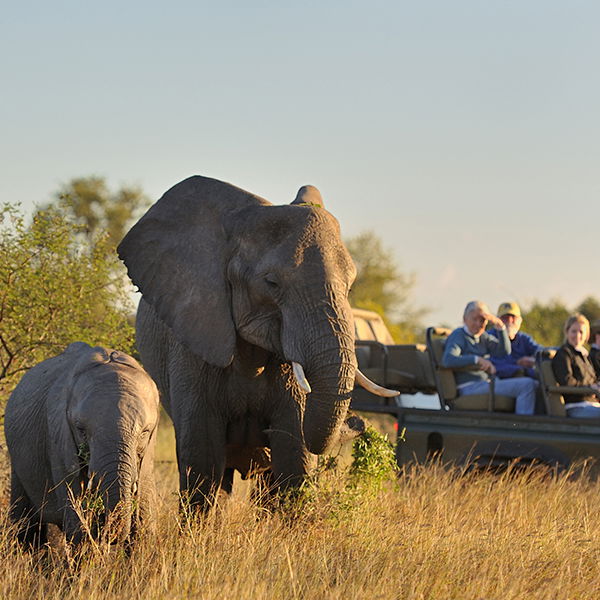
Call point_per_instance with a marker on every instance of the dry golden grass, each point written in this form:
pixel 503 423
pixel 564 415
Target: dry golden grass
pixel 432 534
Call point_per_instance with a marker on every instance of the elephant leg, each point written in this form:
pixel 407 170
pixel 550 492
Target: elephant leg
pixel 70 498
pixel 72 527
pixel 227 481
pixel 201 459
pixel 31 532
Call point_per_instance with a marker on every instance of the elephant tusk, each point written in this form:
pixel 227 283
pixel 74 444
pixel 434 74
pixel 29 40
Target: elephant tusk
pixel 301 377
pixel 365 382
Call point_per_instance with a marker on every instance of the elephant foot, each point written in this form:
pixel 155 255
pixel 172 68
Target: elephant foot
pixel 274 494
pixel 32 536
pixel 195 502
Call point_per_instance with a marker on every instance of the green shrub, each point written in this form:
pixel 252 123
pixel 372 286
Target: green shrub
pixel 55 288
pixel 374 461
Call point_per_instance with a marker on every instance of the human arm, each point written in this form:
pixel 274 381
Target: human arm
pixel 595 359
pixel 528 350
pixel 498 345
pixel 562 366
pixel 459 355
pixel 455 354
pixel 563 370
pixel 572 374
pixel 527 362
pixel 507 367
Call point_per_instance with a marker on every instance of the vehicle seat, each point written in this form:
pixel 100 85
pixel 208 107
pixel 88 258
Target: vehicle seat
pixel 413 358
pixel 405 367
pixel 446 382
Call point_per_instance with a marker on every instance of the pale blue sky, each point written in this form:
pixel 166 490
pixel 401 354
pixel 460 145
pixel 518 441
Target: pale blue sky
pixel 465 133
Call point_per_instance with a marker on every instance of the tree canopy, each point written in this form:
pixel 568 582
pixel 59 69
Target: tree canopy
pixel 545 322
pixel 381 286
pixel 590 307
pixel 54 290
pixel 88 202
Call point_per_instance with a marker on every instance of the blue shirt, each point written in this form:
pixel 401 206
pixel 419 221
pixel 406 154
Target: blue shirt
pixel 521 345
pixel 462 349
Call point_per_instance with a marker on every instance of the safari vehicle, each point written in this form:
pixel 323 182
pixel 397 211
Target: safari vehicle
pixel 403 367
pixel 433 421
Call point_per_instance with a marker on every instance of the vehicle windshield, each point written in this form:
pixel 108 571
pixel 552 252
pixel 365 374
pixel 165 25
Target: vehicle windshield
pixel 370 326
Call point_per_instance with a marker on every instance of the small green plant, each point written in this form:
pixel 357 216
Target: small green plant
pixel 92 503
pixel 314 204
pixel 83 454
pixel 297 502
pixel 374 461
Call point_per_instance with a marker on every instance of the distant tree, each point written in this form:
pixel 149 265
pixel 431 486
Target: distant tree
pixel 55 290
pixel 590 307
pixel 544 322
pixel 381 286
pixel 89 203
pixel 378 279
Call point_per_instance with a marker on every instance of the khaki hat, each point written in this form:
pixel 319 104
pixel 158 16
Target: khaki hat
pixel 509 308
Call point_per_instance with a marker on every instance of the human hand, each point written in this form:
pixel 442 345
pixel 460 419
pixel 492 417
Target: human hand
pixel 527 362
pixel 494 320
pixel 486 365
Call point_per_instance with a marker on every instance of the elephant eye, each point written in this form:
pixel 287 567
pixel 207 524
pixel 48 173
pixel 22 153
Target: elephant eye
pixel 271 282
pixel 144 437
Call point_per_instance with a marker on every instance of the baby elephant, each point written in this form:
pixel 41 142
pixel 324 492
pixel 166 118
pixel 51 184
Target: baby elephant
pixel 80 429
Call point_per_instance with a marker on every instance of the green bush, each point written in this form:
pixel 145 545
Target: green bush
pixel 374 460
pixel 55 288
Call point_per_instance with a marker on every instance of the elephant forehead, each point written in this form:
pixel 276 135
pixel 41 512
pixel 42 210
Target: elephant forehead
pixel 110 383
pixel 317 247
pixel 281 222
pixel 100 361
pixel 295 233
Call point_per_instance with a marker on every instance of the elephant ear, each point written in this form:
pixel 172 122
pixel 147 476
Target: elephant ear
pixel 64 453
pixel 177 256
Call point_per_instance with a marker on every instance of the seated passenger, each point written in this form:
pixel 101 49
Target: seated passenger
pixel 521 360
pixel 572 366
pixel 595 348
pixel 471 346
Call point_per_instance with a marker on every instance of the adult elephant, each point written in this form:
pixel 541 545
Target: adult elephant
pixel 243 304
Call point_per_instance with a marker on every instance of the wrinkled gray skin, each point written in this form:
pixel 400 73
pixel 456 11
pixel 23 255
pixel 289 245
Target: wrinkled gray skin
pixel 88 413
pixel 235 289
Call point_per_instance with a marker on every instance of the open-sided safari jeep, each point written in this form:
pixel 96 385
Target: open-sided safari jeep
pixel 477 430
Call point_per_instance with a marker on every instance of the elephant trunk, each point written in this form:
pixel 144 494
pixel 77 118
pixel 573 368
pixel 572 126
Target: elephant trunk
pixel 330 373
pixel 116 483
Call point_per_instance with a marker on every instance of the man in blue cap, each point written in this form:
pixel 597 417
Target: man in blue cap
pixel 521 360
